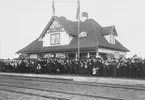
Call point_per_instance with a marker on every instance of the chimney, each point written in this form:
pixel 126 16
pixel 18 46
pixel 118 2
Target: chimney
pixel 84 16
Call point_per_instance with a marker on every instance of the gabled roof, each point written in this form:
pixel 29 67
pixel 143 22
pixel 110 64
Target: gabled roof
pixel 109 29
pixel 94 39
pixel 102 42
pixel 66 24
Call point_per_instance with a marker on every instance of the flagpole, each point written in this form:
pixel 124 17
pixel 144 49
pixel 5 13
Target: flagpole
pixel 78 28
pixel 53 9
pixel 78 36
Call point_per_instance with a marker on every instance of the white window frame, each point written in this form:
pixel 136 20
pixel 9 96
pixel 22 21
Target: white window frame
pixel 83 34
pixel 112 39
pixel 56 39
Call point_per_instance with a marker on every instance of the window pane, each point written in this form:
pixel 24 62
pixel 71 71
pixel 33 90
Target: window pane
pixel 55 38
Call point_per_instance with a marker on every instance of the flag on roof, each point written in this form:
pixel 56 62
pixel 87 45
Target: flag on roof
pixel 78 10
pixel 53 8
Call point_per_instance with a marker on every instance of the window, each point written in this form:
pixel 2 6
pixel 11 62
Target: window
pixel 55 38
pixel 83 34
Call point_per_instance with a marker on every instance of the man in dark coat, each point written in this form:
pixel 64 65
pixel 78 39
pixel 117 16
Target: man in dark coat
pixel 114 69
pixel 56 67
pixel 22 67
pixel 143 69
pixel 139 69
pixel 90 67
pixel 105 64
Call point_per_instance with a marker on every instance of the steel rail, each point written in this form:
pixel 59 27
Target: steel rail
pixel 32 94
pixel 57 91
pixel 141 88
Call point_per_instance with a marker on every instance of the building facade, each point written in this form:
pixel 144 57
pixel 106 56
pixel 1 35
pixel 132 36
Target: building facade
pixel 60 39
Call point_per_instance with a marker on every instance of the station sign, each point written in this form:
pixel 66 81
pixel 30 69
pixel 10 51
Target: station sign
pixel 60 55
pixel 33 56
pixel 48 55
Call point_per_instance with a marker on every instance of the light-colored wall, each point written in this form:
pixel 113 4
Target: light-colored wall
pixel 65 39
pixel 110 38
pixel 102 50
pixel 107 37
pixel 70 38
pixel 33 56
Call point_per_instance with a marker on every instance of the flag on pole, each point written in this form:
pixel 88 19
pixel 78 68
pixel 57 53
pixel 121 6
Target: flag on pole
pixel 53 8
pixel 78 10
pixel 78 18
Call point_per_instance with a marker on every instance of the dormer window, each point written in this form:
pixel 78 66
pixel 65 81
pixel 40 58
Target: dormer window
pixel 83 34
pixel 112 39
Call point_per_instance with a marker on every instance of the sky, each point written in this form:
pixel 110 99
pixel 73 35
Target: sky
pixel 22 21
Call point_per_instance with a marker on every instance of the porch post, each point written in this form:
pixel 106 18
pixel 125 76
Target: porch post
pixel 97 54
pixel 88 54
pixel 76 56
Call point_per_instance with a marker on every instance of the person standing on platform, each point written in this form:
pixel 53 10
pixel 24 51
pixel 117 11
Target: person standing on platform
pixel 86 67
pixel 105 64
pixel 1 65
pixel 94 70
pixel 76 67
pixel 143 69
pixel 51 65
pixel 39 68
pixel 73 66
pixel 139 68
pixel 128 67
pixel 89 67
pixel 70 67
pixel 114 69
pixel 117 68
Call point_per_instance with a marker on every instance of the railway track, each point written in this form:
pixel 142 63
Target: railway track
pixel 2 86
pixel 64 81
pixel 33 94
pixel 62 92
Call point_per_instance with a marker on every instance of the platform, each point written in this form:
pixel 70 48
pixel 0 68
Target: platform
pixel 106 80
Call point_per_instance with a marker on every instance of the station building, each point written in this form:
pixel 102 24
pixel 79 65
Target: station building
pixel 60 39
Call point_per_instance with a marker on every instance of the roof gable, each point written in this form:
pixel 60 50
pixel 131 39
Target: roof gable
pixel 102 42
pixel 59 22
pixel 108 30
pixel 54 25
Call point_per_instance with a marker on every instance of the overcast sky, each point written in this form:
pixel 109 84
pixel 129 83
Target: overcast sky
pixel 22 21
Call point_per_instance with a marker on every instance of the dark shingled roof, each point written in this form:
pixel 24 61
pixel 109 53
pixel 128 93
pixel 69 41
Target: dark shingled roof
pixel 107 30
pixel 94 39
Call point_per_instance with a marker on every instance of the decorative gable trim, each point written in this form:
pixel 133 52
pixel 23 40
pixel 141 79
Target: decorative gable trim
pixel 48 25
pixel 55 24
pixel 55 27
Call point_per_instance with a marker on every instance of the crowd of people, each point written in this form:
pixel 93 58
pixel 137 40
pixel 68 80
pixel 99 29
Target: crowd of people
pixel 109 67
